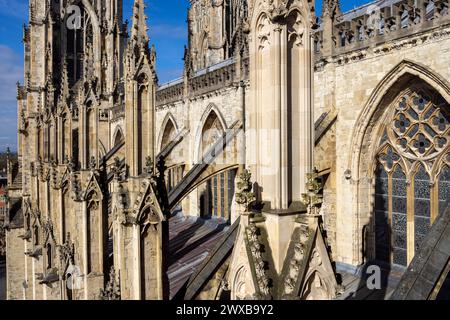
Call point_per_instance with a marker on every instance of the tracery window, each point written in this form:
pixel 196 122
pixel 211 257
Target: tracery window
pixel 412 175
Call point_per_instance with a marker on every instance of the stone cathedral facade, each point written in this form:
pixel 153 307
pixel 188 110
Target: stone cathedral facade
pixel 296 145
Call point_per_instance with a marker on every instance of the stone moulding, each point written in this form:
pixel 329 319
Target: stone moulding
pixel 257 264
pixel 295 271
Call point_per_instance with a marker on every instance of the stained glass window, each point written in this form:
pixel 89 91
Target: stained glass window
pixel 413 171
pixel 399 218
pixel 444 188
pixel 421 206
pixel 222 195
pixel 215 195
pixel 382 215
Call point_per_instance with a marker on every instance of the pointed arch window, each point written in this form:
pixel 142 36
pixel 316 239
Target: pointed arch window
pixel 412 173
pixel 49 256
pixel 119 138
pixel 144 119
pixel 36 235
pixel 80 44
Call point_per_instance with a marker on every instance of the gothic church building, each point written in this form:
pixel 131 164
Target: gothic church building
pixel 296 146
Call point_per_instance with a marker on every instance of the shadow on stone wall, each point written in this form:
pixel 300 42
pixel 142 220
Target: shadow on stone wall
pixel 2 280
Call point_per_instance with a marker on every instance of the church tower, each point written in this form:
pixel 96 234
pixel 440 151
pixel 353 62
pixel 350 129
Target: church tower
pixel 215 30
pixel 73 54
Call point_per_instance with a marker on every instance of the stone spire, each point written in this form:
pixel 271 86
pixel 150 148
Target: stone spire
pixel 139 22
pixel 331 8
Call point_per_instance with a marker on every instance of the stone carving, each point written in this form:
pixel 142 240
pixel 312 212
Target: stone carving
pixel 239 284
pixel 67 253
pixel 121 197
pixel 112 288
pixel 331 8
pixel 313 199
pixel 117 170
pixel 297 263
pixel 262 280
pixel 47 227
pixel 296 29
pixel 263 32
pixel 23 122
pixel 54 175
pixel 92 164
pixel 245 196
pixel 149 166
pixel 75 187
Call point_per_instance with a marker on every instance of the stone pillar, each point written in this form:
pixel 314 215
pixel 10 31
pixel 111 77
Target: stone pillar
pixel 62 216
pixel 137 262
pixel 281 115
pixel 85 248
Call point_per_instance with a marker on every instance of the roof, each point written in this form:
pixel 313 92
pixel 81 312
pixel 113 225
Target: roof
pixel 354 282
pixel 214 260
pixel 191 239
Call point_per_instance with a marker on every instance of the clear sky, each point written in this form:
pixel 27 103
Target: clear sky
pixel 167 28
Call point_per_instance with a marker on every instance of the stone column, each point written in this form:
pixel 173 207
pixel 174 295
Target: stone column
pixel 62 214
pixel 281 116
pixel 85 248
pixel 137 262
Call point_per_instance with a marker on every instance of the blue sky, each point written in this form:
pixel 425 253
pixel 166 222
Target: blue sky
pixel 167 28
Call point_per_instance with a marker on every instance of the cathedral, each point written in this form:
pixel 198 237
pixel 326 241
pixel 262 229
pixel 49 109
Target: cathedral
pixel 299 153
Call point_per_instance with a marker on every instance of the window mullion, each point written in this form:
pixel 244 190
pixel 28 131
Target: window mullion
pixel 434 201
pixel 391 231
pixel 410 219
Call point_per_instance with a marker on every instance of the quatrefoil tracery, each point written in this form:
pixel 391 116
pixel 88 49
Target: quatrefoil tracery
pixel 419 129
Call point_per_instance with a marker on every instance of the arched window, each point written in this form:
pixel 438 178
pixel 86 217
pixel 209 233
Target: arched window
pixel 46 142
pixel 93 229
pixel 169 134
pixel 143 116
pixel 412 178
pixel 90 132
pixel 39 142
pixel 65 147
pixel 79 43
pixel 52 141
pixel 36 235
pixel 49 256
pixel 119 137
pixel 75 146
pixel 212 132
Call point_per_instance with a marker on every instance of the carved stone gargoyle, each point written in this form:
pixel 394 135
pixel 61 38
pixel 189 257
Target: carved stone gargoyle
pixel 51 277
pixel 36 253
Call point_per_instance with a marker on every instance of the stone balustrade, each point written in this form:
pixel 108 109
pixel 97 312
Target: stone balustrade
pixel 381 21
